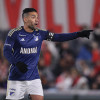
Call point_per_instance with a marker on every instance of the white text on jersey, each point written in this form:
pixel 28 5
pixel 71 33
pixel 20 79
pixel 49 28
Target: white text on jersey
pixel 28 50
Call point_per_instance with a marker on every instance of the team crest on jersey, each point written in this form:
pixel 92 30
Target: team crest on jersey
pixel 22 39
pixel 36 38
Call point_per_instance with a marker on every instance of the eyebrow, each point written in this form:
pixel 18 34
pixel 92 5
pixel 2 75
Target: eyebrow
pixel 34 15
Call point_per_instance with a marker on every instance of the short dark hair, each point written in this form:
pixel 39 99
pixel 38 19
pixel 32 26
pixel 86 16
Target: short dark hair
pixel 27 10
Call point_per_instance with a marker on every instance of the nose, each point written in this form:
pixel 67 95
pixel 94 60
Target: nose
pixel 37 20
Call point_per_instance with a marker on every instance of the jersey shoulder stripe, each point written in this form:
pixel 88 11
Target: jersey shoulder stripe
pixel 40 29
pixel 13 30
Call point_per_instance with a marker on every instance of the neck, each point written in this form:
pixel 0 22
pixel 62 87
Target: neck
pixel 27 29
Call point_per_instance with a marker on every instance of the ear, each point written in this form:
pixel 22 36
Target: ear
pixel 25 19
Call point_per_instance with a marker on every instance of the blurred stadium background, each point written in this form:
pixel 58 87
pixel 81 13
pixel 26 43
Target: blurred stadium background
pixel 68 70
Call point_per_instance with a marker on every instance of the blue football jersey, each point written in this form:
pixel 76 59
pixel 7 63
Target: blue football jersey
pixel 22 46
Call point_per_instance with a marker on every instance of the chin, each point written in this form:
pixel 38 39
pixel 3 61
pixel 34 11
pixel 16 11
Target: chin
pixel 32 28
pixel 35 27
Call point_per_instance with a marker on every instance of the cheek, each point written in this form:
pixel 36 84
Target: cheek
pixel 32 21
pixel 29 22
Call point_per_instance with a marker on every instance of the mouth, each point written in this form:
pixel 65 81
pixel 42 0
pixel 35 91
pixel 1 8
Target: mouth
pixel 36 24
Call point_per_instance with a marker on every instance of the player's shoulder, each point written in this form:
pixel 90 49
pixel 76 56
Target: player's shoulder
pixel 14 30
pixel 40 29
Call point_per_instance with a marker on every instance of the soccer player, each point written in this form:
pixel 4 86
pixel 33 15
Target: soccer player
pixel 22 50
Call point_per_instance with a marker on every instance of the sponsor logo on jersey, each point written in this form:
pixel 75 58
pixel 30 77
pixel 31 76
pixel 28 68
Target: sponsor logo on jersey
pixel 21 35
pixel 7 44
pixel 28 50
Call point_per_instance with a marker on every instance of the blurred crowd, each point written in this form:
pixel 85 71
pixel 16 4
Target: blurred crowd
pixel 65 66
pixel 4 65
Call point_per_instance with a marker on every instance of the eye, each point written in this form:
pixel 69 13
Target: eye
pixel 33 16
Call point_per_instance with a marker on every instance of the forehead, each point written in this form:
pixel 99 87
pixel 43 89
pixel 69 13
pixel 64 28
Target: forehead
pixel 33 14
